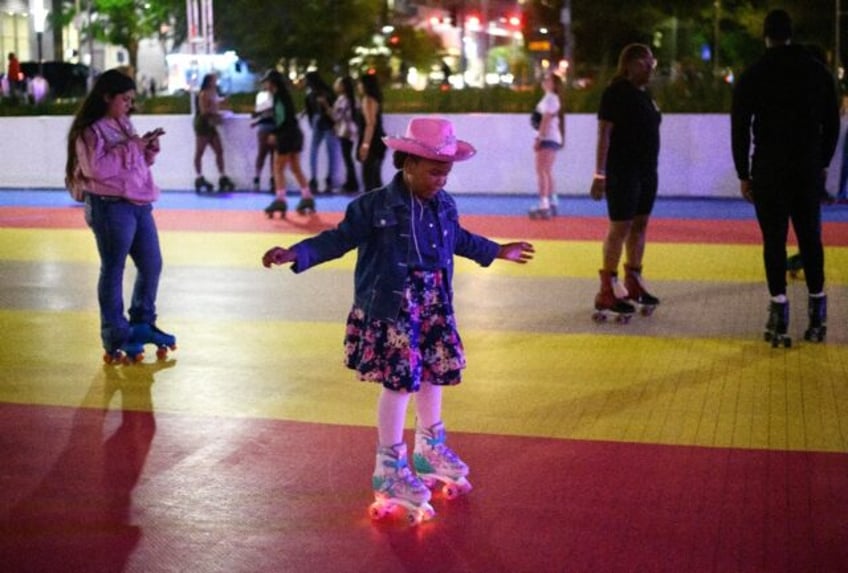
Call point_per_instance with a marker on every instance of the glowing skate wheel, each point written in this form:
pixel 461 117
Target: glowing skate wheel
pixel 451 491
pixel 377 511
pixel 427 512
pixel 162 352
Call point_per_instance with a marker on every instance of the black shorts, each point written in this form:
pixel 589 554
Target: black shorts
pixel 289 140
pixel 630 193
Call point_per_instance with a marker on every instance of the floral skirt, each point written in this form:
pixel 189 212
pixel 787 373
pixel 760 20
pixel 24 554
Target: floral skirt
pixel 422 345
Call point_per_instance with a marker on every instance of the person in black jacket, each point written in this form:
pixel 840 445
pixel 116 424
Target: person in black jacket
pixel 788 102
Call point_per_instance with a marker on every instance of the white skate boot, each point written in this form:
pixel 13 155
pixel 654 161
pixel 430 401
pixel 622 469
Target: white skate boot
pixel 396 486
pixel 434 461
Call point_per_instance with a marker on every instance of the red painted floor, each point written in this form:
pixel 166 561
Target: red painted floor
pixel 134 491
pixel 564 228
pixel 131 487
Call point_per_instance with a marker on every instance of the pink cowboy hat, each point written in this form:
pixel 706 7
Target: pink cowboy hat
pixel 431 138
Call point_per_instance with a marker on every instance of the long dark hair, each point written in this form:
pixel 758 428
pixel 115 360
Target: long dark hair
pixel 110 83
pixel 371 87
pixel 281 93
pixel 315 82
pixel 207 81
pixel 349 90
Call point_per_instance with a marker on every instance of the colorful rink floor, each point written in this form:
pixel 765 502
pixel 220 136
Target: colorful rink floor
pixel 677 442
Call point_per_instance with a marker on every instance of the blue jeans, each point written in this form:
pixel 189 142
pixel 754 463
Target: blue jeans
pixel 124 229
pixel 842 191
pixel 319 136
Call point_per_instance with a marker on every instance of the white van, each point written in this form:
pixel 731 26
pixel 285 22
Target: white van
pixel 186 71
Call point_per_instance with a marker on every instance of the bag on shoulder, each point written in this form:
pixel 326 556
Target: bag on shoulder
pixel 536 119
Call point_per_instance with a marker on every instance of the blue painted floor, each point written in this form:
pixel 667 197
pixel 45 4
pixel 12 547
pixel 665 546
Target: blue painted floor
pixel 666 207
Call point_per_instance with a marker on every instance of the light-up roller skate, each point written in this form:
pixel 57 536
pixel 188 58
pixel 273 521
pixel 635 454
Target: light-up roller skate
pixel 144 333
pixel 396 486
pixel 436 462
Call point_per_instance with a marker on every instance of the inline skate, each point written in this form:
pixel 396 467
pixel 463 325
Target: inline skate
pixel 817 314
pixel 435 462
pixel 777 325
pixel 637 292
pixel 608 305
pixel 396 486
pixel 144 333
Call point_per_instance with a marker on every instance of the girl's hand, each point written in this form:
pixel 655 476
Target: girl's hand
pixel 278 256
pixel 363 151
pixel 599 189
pixel 151 139
pixel 520 252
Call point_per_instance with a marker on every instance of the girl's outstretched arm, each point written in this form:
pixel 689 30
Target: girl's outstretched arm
pixel 278 256
pixel 520 252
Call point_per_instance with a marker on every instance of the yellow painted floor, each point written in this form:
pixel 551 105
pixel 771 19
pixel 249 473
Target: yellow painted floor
pixel 677 442
pixel 255 342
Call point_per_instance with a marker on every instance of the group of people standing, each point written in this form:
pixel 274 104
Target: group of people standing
pixel 348 126
pixel 345 119
pixel 785 127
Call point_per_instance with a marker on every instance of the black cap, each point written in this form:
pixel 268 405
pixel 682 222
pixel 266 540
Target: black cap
pixel 777 26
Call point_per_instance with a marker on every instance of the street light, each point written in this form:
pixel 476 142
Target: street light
pixel 39 20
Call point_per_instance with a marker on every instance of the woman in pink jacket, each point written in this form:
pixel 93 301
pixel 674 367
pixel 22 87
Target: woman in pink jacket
pixel 108 168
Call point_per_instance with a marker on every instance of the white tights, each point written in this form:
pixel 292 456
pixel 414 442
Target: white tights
pixel 391 411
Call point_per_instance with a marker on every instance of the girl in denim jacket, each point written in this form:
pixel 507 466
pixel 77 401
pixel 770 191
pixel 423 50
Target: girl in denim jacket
pixel 401 331
pixel 108 167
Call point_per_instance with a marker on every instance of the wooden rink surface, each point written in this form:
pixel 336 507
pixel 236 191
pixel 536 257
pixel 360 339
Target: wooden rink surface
pixel 680 441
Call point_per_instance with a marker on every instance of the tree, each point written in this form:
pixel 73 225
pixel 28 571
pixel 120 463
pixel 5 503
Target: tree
pixel 322 32
pixel 126 22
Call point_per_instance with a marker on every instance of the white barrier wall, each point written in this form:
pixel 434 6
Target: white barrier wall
pixel 695 159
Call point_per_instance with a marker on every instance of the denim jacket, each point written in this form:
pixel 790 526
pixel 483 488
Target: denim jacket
pixel 378 225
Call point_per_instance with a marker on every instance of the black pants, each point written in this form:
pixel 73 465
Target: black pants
pixel 781 194
pixel 372 171
pixel 350 184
